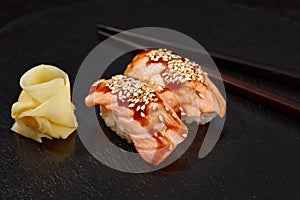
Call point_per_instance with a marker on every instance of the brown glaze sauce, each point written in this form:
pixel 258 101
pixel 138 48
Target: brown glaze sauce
pixel 101 87
pixel 137 115
pixel 162 148
pixel 170 86
pixel 162 144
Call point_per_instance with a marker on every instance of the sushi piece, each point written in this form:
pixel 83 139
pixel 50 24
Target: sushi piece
pixel 181 82
pixel 136 112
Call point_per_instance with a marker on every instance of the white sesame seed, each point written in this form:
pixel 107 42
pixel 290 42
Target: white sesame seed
pixel 155 134
pixel 183 113
pixel 143 107
pixel 180 108
pixel 171 147
pixel 202 96
pixel 174 115
pixel 131 105
pixel 120 93
pixel 176 79
pixel 142 114
pixel 184 135
pixel 138 108
pixel 160 88
pixel 167 109
pixel 161 118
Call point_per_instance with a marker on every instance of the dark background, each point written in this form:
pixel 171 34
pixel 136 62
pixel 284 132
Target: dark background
pixel 257 156
pixel 14 9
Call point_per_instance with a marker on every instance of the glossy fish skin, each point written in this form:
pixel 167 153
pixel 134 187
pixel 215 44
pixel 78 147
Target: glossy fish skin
pixel 155 133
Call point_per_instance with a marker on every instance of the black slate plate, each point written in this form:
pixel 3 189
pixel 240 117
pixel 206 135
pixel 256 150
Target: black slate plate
pixel 257 156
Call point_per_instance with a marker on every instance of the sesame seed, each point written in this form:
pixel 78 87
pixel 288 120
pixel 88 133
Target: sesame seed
pixel 202 96
pixel 161 118
pixel 131 105
pixel 184 135
pixel 167 109
pixel 138 108
pixel 183 113
pixel 171 146
pixel 142 114
pixel 182 81
pixel 120 93
pixel 176 63
pixel 174 115
pixel 155 134
pixel 180 108
pixel 160 88
pixel 132 90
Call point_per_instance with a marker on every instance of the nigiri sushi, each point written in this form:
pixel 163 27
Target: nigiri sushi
pixel 181 82
pixel 135 111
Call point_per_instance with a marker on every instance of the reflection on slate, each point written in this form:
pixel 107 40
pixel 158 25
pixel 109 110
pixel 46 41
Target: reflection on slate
pixel 58 150
pixel 256 157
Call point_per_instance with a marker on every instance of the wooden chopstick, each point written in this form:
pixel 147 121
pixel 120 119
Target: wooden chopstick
pixel 259 95
pixel 226 60
pixel 262 70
